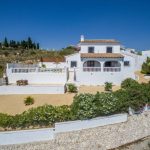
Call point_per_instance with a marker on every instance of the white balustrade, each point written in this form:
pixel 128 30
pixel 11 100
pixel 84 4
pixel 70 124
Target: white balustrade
pixel 112 69
pixel 99 69
pixel 91 69
pixel 39 70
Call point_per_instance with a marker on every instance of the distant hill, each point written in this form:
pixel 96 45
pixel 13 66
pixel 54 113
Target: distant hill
pixel 25 55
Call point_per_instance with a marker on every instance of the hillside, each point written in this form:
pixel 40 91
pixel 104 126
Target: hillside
pixel 13 55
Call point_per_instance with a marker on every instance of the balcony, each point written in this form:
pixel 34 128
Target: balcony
pixel 99 69
pixel 92 69
pixel 112 69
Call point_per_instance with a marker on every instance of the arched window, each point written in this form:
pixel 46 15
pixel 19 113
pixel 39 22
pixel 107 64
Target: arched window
pixel 112 64
pixel 92 63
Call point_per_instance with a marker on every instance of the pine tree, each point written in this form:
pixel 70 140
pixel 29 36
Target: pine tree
pixel 29 43
pixel 37 45
pixel 5 43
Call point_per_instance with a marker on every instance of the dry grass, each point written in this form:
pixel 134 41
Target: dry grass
pixel 14 104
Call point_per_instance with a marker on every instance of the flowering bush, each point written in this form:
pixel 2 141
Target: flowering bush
pixel 84 106
pixel 129 83
pixel 106 103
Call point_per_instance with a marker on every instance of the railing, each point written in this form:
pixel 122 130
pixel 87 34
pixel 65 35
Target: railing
pixel 54 70
pixel 21 66
pixel 111 69
pixel 23 70
pixel 91 69
pixel 99 69
pixel 29 70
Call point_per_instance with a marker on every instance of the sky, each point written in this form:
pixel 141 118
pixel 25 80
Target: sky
pixel 56 24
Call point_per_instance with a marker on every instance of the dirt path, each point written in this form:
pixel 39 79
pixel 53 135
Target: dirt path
pixel 141 77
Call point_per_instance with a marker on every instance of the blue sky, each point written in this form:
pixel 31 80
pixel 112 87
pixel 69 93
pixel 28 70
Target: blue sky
pixel 59 23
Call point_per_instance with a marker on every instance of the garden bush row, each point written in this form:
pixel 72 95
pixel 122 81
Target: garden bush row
pixel 85 106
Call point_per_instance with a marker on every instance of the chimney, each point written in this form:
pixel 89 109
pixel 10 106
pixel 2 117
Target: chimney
pixel 82 38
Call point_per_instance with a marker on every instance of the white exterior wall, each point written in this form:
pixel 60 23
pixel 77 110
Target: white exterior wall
pixel 38 77
pixel 146 53
pixel 128 71
pixel 98 78
pixel 73 57
pixel 32 89
pixel 99 48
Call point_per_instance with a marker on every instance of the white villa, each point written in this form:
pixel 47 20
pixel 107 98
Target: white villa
pixel 96 62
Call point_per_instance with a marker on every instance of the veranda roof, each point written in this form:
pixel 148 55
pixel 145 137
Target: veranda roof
pixel 101 55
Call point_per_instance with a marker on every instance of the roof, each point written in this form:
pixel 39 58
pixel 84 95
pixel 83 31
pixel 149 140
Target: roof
pixel 101 55
pixel 53 59
pixel 109 41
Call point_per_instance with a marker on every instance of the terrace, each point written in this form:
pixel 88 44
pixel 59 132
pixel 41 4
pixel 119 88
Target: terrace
pixel 95 66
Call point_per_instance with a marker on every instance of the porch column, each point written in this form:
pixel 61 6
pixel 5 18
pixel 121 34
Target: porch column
pixel 122 64
pixel 102 66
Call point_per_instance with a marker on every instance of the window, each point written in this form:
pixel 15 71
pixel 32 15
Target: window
pixel 126 63
pixel 90 49
pixel 73 64
pixel 90 63
pixel 109 50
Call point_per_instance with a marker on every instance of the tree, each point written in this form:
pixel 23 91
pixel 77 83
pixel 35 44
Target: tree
pixel 29 43
pixel 37 46
pixel 24 44
pixel 5 43
pixel 12 44
pixel 146 66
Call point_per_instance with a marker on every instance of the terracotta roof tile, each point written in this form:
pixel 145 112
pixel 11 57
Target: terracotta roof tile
pixel 101 41
pixel 101 55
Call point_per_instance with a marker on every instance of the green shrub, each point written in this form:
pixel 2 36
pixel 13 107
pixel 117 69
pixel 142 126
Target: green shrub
pixel 5 120
pixel 146 66
pixel 41 116
pixel 71 88
pixel 87 106
pixel 106 103
pixel 129 83
pixel 108 86
pixel 29 100
pixel 84 106
pixel 135 97
pixel 43 66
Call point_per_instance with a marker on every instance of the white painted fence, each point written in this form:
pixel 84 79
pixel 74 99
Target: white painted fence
pixel 32 89
pixel 27 136
pixel 91 123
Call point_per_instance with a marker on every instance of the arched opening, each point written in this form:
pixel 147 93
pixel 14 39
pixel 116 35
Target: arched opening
pixel 91 66
pixel 112 66
pixel 91 63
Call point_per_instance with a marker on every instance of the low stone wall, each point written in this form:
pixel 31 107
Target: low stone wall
pixel 99 138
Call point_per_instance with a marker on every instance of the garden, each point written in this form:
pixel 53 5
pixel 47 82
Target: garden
pixel 84 106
